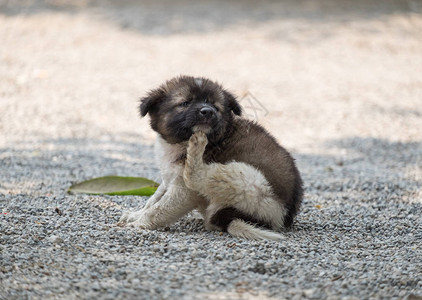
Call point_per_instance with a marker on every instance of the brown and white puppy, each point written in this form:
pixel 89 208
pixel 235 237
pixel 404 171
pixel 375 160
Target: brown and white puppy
pixel 228 168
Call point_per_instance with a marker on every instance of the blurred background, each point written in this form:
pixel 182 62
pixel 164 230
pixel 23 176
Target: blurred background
pixel 324 69
pixel 338 80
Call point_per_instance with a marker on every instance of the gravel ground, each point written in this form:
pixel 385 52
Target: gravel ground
pixel 342 84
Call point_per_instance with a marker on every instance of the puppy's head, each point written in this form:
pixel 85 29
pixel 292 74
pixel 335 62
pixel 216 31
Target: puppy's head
pixel 186 104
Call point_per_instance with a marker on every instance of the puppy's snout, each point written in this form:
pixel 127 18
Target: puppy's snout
pixel 206 112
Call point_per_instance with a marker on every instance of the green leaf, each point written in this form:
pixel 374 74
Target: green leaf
pixel 116 185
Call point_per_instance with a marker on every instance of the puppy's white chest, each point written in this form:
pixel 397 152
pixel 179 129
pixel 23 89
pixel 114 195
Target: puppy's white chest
pixel 166 156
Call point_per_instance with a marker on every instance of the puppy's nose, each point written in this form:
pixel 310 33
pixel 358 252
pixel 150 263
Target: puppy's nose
pixel 206 112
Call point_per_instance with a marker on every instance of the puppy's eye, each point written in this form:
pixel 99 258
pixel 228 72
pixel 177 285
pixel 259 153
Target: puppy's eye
pixel 184 104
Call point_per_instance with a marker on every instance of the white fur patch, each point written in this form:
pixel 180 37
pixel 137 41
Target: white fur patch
pixel 242 229
pixel 198 81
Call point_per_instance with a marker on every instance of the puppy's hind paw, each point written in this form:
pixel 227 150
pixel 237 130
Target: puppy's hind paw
pixel 197 143
pixel 199 138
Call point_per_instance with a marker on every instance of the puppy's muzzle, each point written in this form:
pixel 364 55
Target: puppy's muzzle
pixel 206 113
pixel 206 118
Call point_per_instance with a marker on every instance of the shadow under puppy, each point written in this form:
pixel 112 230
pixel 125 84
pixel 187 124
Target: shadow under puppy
pixel 228 168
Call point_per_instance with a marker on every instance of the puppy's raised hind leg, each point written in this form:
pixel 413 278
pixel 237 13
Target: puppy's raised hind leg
pixel 195 168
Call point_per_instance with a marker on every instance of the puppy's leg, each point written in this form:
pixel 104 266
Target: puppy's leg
pixel 176 202
pixel 195 169
pixel 129 217
pixel 161 190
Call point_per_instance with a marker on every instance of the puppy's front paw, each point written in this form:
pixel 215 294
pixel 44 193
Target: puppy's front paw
pixel 137 219
pixel 197 143
pixel 128 217
pixel 123 219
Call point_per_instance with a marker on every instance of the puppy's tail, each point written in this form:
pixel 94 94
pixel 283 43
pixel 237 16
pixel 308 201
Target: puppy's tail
pixel 240 228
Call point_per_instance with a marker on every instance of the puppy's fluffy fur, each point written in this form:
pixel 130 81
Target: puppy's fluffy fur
pixel 228 168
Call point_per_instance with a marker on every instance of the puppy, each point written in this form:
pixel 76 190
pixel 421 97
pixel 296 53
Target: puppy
pixel 228 168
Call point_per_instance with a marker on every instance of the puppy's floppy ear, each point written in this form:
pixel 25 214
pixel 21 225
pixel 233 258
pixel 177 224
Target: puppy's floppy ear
pixel 149 103
pixel 232 103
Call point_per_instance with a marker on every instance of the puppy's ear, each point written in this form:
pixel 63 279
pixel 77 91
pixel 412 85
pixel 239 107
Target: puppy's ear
pixel 232 103
pixel 149 103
